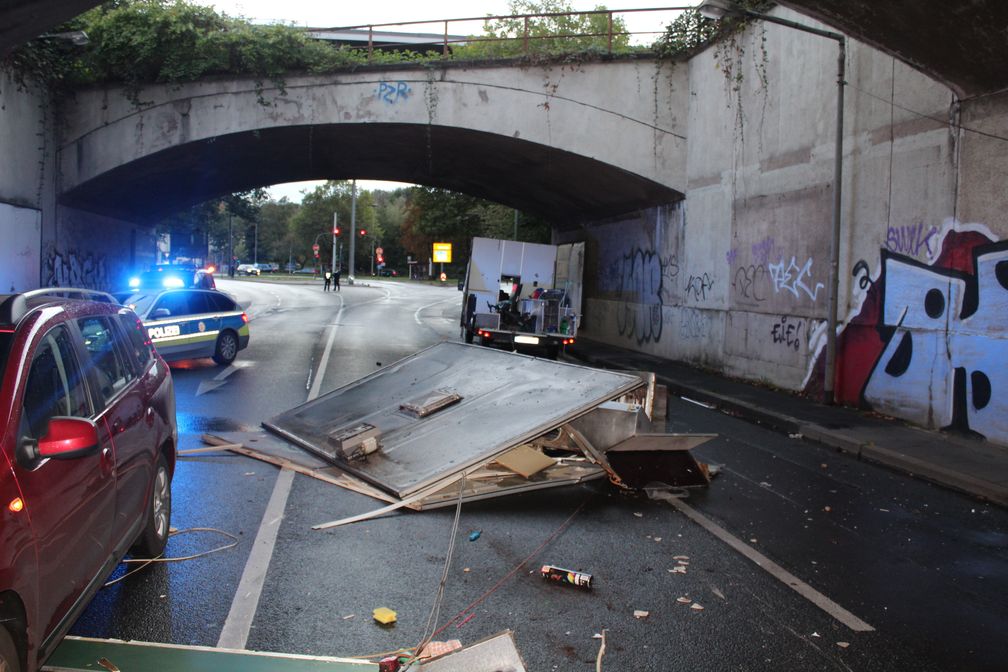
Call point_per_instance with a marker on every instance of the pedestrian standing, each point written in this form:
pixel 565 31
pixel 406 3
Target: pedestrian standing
pixel 336 279
pixel 328 281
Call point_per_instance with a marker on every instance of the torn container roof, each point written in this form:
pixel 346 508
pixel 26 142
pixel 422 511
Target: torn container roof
pixel 423 420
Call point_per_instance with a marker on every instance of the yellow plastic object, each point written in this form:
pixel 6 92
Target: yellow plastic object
pixel 384 615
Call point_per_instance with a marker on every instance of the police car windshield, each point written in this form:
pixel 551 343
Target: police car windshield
pixel 140 301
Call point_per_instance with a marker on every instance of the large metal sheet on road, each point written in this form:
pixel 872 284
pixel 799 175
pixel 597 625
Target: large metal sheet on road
pixel 506 400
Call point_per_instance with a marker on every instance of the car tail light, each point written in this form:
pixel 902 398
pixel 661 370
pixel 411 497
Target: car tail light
pixel 568 341
pixel 244 318
pixel 16 505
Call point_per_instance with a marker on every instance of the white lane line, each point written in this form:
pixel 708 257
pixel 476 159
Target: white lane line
pixel 416 315
pixel 234 634
pixel 775 570
pixel 324 361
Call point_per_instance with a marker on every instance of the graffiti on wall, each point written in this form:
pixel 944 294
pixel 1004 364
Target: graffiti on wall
pixel 750 282
pixel 642 276
pixel 912 240
pixel 74 269
pixel 797 280
pixel 928 342
pixel 789 331
pixel 694 324
pixel 393 92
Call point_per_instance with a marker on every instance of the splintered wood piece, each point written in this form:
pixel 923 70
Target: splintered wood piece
pixel 525 460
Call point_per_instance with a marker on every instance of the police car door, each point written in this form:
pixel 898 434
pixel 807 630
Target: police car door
pixel 174 326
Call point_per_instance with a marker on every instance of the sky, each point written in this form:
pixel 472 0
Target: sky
pixel 331 14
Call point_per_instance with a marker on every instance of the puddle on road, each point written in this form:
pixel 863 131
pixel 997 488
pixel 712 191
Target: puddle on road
pixel 189 423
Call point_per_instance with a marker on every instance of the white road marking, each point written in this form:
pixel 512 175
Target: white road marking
pixel 324 362
pixel 234 634
pixel 416 315
pixel 775 570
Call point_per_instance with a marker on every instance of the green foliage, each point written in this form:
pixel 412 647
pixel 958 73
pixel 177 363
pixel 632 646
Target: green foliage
pixel 314 221
pixel 439 215
pixel 688 31
pixel 547 35
pixel 140 42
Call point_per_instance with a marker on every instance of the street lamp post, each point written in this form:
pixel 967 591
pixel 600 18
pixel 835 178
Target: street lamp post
pixel 718 9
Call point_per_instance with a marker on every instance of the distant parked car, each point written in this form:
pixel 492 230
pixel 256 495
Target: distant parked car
pixel 86 459
pixel 192 323
pixel 388 272
pixel 248 269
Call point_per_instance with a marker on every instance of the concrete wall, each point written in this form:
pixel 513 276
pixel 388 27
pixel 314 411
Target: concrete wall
pixel 736 277
pixel 42 244
pixel 629 114
pixel 26 178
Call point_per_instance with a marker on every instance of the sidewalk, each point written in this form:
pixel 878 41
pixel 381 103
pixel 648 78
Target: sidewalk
pixel 960 462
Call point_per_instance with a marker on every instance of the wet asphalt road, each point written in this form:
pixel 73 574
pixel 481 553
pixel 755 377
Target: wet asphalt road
pixel 927 568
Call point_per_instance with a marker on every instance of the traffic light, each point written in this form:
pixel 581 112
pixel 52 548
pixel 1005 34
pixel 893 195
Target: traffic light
pixel 363 232
pixel 336 231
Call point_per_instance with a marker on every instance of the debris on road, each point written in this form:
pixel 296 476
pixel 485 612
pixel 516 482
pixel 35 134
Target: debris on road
pixel 409 433
pixel 684 600
pixel 566 576
pixel 473 536
pixel 640 614
pixel 696 606
pixel 384 615
pixel 435 649
pixel 489 655
pixel 843 645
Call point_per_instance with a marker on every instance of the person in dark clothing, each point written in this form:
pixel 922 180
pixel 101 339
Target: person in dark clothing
pixel 336 279
pixel 328 281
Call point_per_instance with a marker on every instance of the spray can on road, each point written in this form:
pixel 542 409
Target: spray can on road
pixel 566 576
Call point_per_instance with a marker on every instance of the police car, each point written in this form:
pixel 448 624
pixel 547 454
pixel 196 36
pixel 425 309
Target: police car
pixel 192 323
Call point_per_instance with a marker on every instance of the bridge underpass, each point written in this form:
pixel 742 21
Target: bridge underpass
pixel 560 186
pixel 567 142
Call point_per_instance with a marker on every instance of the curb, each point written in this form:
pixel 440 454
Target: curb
pixel 781 422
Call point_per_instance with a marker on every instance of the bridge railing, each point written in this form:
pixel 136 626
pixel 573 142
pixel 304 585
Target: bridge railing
pixel 608 28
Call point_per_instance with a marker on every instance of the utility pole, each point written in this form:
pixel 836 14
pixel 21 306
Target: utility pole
pixel 231 271
pixel 515 236
pixel 335 228
pixel 353 231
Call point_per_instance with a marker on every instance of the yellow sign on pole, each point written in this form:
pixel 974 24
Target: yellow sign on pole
pixel 442 253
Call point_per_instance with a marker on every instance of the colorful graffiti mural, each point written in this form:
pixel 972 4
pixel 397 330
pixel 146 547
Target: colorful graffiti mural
pixel 929 343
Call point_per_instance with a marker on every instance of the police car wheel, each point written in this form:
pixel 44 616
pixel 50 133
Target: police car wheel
pixel 227 348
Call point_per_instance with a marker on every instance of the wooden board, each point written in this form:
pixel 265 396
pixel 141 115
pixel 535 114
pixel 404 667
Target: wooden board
pixel 525 460
pixel 268 448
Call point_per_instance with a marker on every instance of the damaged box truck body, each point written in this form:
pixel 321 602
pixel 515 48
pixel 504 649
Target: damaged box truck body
pixel 504 421
pixel 522 295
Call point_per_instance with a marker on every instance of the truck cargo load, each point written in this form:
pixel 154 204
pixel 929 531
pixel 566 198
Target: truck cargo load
pixel 522 296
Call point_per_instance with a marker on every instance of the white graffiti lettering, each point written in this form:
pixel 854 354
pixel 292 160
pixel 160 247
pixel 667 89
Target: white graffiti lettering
pixel 792 278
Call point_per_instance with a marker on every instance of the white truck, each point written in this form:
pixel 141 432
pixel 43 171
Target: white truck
pixel 522 296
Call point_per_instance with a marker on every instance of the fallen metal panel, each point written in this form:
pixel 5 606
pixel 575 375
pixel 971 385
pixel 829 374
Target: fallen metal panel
pixel 496 654
pixel 659 458
pixel 506 483
pixel 506 399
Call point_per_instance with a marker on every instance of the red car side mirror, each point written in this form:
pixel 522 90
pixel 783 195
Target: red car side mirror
pixel 69 438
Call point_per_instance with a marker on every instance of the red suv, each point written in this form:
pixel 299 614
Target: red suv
pixel 86 459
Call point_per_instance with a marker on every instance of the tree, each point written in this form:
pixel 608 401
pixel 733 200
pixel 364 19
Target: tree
pixel 314 221
pixel 551 27
pixel 438 215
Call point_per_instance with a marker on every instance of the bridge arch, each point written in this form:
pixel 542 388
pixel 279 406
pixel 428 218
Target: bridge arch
pixel 567 142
